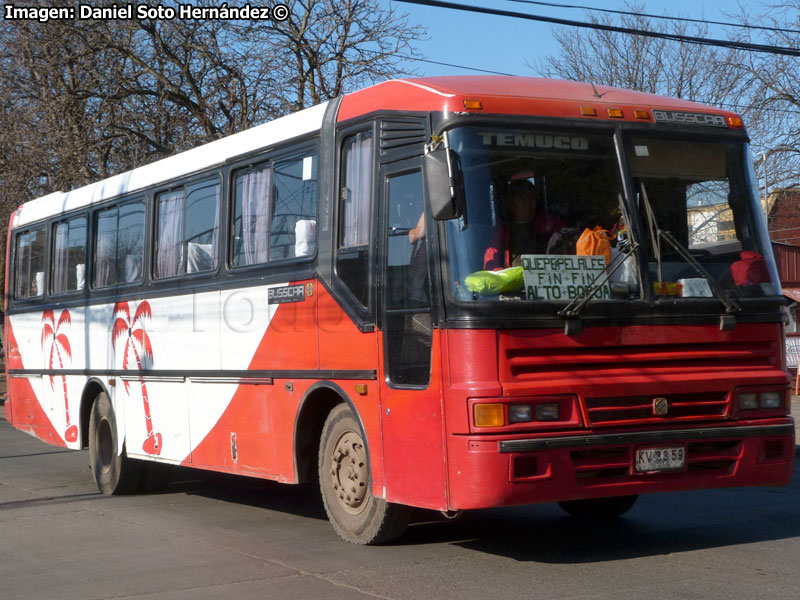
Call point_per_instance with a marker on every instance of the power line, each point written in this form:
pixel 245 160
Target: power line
pixel 649 16
pixel 444 64
pixel 768 49
pixel 731 105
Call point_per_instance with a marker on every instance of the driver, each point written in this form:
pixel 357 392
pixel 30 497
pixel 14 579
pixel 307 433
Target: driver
pixel 524 232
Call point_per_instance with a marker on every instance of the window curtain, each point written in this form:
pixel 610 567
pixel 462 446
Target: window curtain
pixel 255 215
pixel 358 179
pixel 23 266
pixel 60 259
pixel 215 230
pixel 106 250
pixel 169 258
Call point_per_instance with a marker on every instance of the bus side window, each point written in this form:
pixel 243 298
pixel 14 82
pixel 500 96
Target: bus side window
pixel 251 216
pixel 119 244
pixel 69 256
pixel 355 201
pixel 30 264
pixel 187 232
pixel 295 209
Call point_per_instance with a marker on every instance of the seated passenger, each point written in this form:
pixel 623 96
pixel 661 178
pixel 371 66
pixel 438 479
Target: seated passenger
pixel 524 232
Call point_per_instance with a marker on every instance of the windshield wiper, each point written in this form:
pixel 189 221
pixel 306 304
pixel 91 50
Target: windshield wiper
pixel 658 234
pixel 731 306
pixel 572 311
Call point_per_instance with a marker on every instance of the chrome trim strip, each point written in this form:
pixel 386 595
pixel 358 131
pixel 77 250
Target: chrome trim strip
pixel 152 378
pixel 670 435
pixel 234 380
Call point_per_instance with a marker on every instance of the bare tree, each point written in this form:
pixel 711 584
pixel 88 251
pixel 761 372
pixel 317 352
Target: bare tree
pixel 328 47
pixel 763 88
pixel 83 100
pixel 649 64
pixel 775 98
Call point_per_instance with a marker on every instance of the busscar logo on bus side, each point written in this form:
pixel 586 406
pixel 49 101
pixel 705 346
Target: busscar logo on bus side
pixel 287 293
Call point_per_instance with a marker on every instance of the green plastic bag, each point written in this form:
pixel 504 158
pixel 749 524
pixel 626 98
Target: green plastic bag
pixel 495 282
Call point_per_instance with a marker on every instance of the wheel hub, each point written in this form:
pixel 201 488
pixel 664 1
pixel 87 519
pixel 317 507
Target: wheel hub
pixel 349 473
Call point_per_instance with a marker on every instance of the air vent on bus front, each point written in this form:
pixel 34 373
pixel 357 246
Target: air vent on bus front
pixel 400 134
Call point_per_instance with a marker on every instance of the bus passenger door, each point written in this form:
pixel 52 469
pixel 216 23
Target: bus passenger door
pixel 411 404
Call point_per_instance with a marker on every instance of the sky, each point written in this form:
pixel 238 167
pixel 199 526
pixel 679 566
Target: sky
pixel 505 44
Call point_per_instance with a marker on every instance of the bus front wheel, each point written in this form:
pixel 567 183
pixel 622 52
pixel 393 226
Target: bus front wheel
pixel 113 472
pixel 356 515
pixel 599 508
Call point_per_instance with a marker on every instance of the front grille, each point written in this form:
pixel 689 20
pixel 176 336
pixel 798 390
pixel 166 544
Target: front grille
pixel 627 410
pixel 528 362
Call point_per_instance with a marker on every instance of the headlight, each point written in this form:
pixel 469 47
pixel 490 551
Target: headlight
pixel 520 413
pixel 547 412
pixel 771 399
pixel 748 400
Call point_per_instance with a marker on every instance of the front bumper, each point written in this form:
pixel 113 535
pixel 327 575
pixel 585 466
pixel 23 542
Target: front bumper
pixel 487 471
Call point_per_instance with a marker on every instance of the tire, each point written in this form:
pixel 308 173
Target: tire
pixel 114 473
pixel 356 515
pixel 599 508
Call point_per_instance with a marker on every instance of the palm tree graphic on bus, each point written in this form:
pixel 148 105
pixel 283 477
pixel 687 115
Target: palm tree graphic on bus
pixel 137 343
pixel 53 335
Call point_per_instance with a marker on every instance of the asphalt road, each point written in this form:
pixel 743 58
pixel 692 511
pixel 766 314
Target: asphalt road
pixel 211 536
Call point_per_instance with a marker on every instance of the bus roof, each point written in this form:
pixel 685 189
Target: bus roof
pixel 183 163
pixel 504 94
pixel 498 94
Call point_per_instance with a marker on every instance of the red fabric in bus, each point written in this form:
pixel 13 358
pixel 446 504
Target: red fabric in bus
pixel 750 270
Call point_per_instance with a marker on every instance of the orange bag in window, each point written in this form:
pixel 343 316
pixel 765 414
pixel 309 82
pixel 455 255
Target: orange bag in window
pixel 594 242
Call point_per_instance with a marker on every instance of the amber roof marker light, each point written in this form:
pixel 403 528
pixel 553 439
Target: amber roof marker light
pixel 473 105
pixel 615 113
pixel 641 114
pixel 588 111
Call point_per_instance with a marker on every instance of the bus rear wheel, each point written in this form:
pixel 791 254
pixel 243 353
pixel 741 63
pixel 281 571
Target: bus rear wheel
pixel 344 479
pixel 113 472
pixel 599 508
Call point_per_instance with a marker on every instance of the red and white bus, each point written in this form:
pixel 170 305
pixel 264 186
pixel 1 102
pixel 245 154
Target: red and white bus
pixel 450 293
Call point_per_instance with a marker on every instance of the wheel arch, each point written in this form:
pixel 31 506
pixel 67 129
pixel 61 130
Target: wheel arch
pixel 319 400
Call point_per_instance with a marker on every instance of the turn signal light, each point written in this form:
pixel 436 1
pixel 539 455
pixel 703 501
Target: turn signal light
pixel 490 415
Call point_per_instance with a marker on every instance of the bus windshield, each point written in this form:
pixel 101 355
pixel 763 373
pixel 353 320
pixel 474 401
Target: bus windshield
pixel 546 218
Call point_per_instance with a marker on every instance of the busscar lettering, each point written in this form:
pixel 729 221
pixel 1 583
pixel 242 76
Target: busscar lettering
pixel 288 293
pixel 684 118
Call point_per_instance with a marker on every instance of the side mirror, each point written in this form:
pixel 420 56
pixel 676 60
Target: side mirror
pixel 445 182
